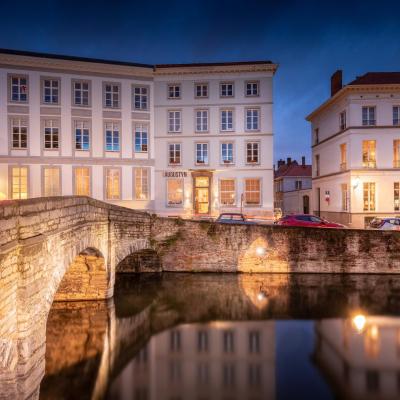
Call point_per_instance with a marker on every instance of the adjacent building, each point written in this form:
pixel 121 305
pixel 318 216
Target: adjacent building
pixel 356 149
pixel 183 140
pixel 293 184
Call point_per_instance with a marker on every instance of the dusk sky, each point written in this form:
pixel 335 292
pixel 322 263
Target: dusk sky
pixel 307 40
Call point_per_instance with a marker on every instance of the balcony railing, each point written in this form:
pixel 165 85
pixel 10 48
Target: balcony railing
pixel 369 164
pixel 343 166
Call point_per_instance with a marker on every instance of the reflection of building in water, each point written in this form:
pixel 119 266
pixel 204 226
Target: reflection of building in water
pixel 361 357
pixel 203 361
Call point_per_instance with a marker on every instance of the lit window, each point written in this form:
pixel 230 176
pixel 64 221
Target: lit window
pixel 174 157
pixel 226 120
pixel 113 184
pixel 19 184
pixel 226 89
pixel 82 135
pixel 51 134
pixel 396 115
pixel 82 181
pixel 140 97
pixel 227 153
pixel 369 153
pixel 369 196
pixel 396 153
pixel 141 183
pixel 141 139
pixel 368 116
pixel 19 88
pixel 174 91
pixel 111 95
pixel 52 182
pixel 174 121
pixel 202 120
pixel 343 156
pixel 19 131
pixel 201 90
pixel 345 197
pixel 252 119
pixel 252 88
pixel 227 192
pixel 252 191
pixel 112 136
pixel 396 194
pixel 342 120
pixel 252 152
pixel 201 153
pixel 51 91
pixel 81 93
pixel 174 192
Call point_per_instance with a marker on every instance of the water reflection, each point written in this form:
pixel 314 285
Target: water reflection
pixel 208 336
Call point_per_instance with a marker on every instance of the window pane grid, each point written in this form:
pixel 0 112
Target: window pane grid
pixel 82 135
pixel 201 90
pixel 19 189
pixel 368 116
pixel 369 196
pixel 252 191
pixel 396 196
pixel 396 115
pixel 19 129
pixel 174 91
pixel 50 91
pixel 111 92
pixel 174 192
pixel 252 89
pixel 174 153
pixel 140 98
pixel 113 184
pixel 369 153
pixel 227 153
pixel 252 152
pixel 174 121
pixel 112 136
pixel 252 119
pixel 141 139
pixel 82 181
pixel 81 93
pixel 226 120
pixel 201 120
pixel 201 153
pixel 51 134
pixel 226 89
pixel 141 184
pixel 19 89
pixel 52 182
pixel 227 192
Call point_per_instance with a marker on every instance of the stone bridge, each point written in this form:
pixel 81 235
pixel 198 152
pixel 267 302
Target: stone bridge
pixel 70 248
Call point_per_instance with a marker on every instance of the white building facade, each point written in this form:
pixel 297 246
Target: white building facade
pixel 356 150
pixel 76 126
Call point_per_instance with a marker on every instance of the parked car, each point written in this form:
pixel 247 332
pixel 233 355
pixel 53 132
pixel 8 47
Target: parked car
pixel 234 218
pixel 307 220
pixel 385 224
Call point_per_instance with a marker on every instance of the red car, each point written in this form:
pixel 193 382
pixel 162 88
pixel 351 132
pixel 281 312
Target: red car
pixel 307 220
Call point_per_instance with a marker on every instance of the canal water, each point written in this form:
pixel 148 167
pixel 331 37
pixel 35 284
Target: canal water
pixel 229 336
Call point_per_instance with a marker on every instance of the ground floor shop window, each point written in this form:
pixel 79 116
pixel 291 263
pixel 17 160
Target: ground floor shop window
pixel 174 192
pixel 19 181
pixel 141 183
pixel 82 181
pixel 369 196
pixel 344 197
pixel 113 184
pixel 52 184
pixel 253 191
pixel 396 193
pixel 227 192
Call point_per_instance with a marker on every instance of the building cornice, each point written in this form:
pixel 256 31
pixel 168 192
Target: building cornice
pixel 346 90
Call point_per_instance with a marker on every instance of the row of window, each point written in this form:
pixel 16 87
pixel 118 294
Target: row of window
pixel 228 340
pixel 368 155
pixel 81 182
pixel 81 93
pixel 82 137
pixel 202 151
pixel 227 192
pixel 226 89
pixel 202 120
pixel 368 119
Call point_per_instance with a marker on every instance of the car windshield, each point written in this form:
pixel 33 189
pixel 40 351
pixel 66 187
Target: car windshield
pixel 237 218
pixel 225 217
pixel 315 219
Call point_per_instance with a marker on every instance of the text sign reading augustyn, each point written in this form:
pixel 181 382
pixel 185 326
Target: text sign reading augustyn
pixel 175 174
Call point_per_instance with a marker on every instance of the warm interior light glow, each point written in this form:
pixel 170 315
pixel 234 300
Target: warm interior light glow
pixel 355 182
pixel 260 251
pixel 2 196
pixel 359 322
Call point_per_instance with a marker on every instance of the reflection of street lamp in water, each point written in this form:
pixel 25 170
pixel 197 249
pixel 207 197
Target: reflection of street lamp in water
pixel 359 322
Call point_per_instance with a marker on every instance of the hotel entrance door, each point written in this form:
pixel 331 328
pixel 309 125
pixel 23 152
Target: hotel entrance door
pixel 201 189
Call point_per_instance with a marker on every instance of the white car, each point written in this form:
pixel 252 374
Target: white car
pixel 385 224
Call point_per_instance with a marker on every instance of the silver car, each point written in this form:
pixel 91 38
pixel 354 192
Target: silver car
pixel 385 224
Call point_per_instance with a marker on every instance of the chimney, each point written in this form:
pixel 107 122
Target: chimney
pixel 280 163
pixel 336 82
pixel 303 161
pixel 288 161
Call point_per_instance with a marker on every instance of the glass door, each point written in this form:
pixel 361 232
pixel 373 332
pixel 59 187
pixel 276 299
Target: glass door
pixel 202 195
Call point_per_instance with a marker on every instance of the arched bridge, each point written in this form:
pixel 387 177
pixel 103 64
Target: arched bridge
pixel 69 248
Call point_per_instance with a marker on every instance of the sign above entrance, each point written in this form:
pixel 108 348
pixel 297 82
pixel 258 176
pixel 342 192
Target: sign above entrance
pixel 174 174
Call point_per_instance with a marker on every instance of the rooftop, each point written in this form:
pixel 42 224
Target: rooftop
pixel 292 169
pixel 377 78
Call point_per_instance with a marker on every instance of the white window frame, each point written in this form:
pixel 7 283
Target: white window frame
pixel 252 122
pixel 22 88
pixel 84 127
pixel 228 192
pixel 203 151
pixel 84 93
pixel 230 144
pixel 229 118
pixel 112 181
pixel 252 150
pixel 174 205
pixel 174 121
pixel 253 84
pixel 368 121
pixel 203 90
pixel 224 89
pixel 112 130
pixel 51 191
pixel 201 120
pixel 87 177
pixel 53 91
pixel 143 175
pixel 396 115
pixel 140 97
pixel 19 184
pixel 370 196
pixel 51 128
pixel 174 91
pixel 175 152
pixel 112 95
pixel 342 120
pixel 22 130
pixel 141 132
pixel 253 191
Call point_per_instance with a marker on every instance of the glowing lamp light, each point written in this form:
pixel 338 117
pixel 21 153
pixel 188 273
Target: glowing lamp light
pixel 359 322
pixel 356 182
pixel 260 251
pixel 2 196
pixel 261 296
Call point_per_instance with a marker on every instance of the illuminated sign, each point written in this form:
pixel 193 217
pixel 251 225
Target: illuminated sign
pixel 174 174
